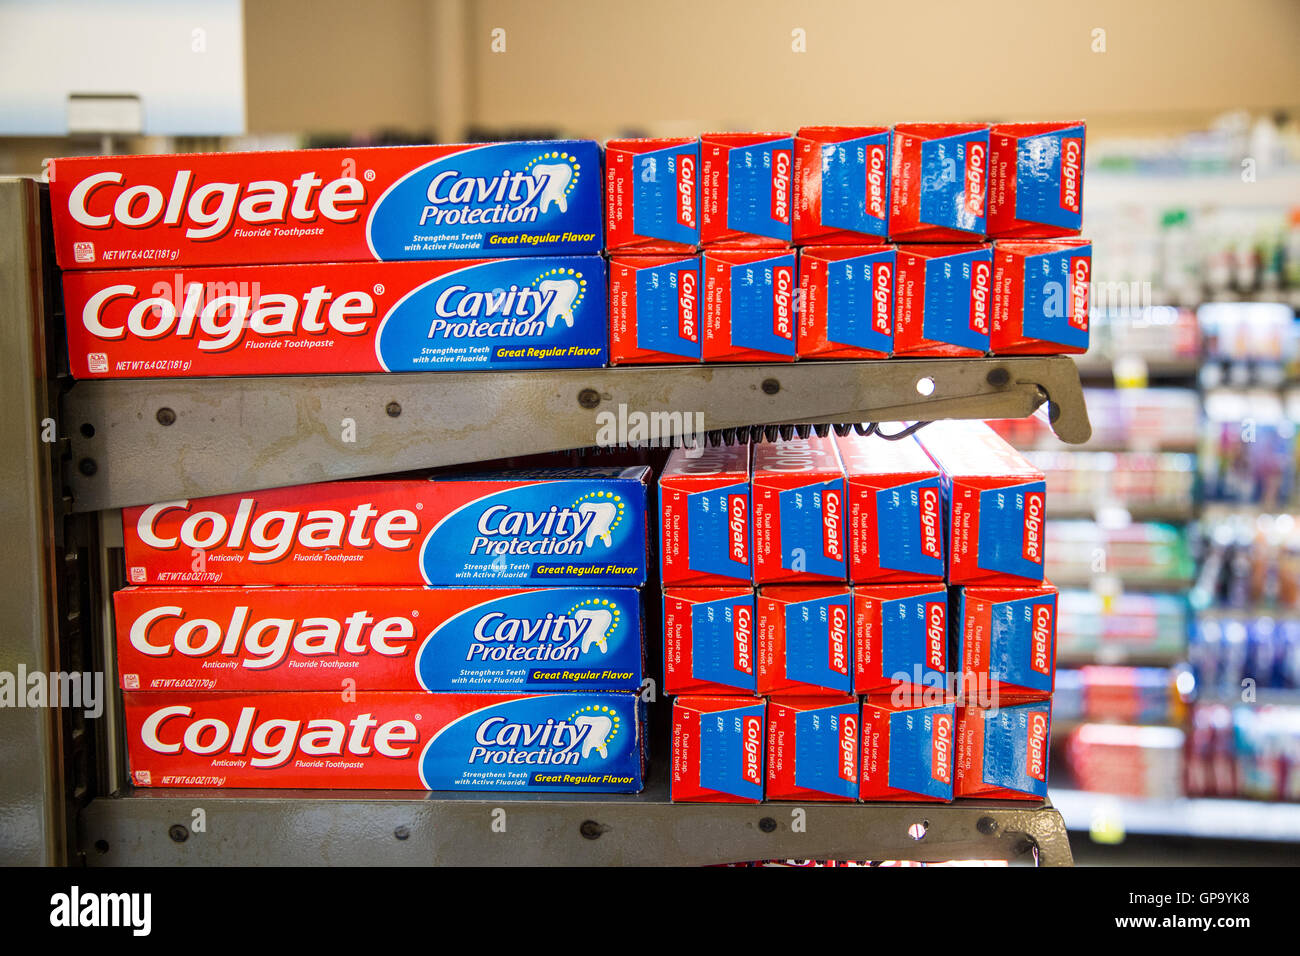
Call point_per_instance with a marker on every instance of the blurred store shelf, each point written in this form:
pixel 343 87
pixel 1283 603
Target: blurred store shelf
pixel 1205 818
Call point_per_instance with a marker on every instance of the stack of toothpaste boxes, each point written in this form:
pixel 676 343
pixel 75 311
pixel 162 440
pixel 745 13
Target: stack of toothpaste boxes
pixel 838 242
pixel 458 632
pixel 852 618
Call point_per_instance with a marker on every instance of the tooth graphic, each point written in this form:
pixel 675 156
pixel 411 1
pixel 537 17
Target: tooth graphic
pixel 557 181
pixel 597 630
pixel 564 292
pixel 602 514
pixel 598 734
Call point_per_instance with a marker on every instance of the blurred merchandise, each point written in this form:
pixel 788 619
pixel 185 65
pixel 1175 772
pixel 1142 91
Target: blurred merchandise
pixel 1248 560
pixel 1227 650
pixel 1244 751
pixel 1141 555
pixel 1136 419
pixel 1128 760
pixel 1248 448
pixel 1144 484
pixel 1119 628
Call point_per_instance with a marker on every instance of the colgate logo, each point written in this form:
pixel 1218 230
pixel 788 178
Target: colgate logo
pixel 941 749
pixel 1034 507
pixel 838 637
pixel 753 769
pixel 831 524
pixel 738 527
pixel 849 747
pixel 686 191
pixel 1080 275
pixel 930 523
pixel 273 742
pixel 1042 639
pixel 975 157
pixel 882 297
pixel 1037 751
pixel 782 159
pixel 743 638
pixel 980 273
pixel 1071 173
pixel 782 304
pixel 687 324
pixel 208 211
pixel 270 535
pixel 936 613
pixel 876 172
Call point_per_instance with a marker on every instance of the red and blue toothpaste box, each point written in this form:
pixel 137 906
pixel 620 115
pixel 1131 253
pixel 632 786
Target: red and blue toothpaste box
pixel 945 300
pixel 705 520
pixel 995 505
pixel 749 305
pixel 939 188
pixel 1007 639
pixel 900 637
pixel 799 512
pixel 542 527
pixel 709 642
pixel 652 198
pixel 387 740
pixel 895 510
pixel 841 184
pixel 805 639
pixel 812 748
pixel 907 751
pixel 535 312
pixel 442 640
pixel 1040 297
pixel 718 745
pixel 328 205
pixel 847 302
pixel 746 189
pixel 1002 752
pixel 1036 180
pixel 654 310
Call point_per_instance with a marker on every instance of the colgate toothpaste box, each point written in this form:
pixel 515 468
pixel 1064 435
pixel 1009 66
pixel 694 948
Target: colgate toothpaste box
pixel 749 307
pixel 718 747
pixel 1007 639
pixel 706 524
pixel 900 637
pixel 327 205
pixel 537 312
pixel 944 296
pixel 995 504
pixel 1002 753
pixel 1036 180
pixel 709 643
pixel 847 302
pixel 560 526
pixel 895 510
pixel 654 310
pixel 746 189
pixel 812 748
pixel 1040 296
pixel 939 187
pixel 907 751
pixel 387 740
pixel 799 512
pixel 841 184
pixel 652 199
pixel 805 640
pixel 409 639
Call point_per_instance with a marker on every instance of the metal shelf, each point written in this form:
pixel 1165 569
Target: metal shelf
pixel 143 440
pixel 316 828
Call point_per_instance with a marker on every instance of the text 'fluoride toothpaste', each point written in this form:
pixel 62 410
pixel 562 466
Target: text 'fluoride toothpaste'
pixel 1040 297
pixel 995 505
pixel 812 748
pixel 655 310
pixel 399 638
pixel 539 312
pixel 1007 638
pixel 545 527
pixel 841 184
pixel 709 641
pixel 329 205
pixel 847 302
pixel 746 189
pixel 705 517
pixel 907 752
pixel 805 640
pixel 718 750
pixel 900 637
pixel 799 512
pixel 1036 180
pixel 387 741
pixel 749 305
pixel 1002 753
pixel 939 187
pixel 652 195
pixel 945 300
